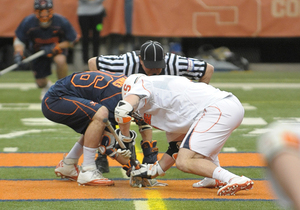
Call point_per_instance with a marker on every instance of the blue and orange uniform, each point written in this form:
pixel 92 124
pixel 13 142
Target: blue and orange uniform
pixel 30 32
pixel 74 100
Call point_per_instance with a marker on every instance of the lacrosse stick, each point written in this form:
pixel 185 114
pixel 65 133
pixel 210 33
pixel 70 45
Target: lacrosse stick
pixel 121 143
pixel 134 181
pixel 26 60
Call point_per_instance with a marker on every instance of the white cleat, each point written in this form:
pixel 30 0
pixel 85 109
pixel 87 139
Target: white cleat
pixel 67 169
pixel 91 176
pixel 209 183
pixel 236 184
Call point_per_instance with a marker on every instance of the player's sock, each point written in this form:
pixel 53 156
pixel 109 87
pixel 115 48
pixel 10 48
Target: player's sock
pixel 89 156
pixel 223 175
pixel 75 152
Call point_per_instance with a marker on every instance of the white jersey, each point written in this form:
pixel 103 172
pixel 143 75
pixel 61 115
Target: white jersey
pixel 173 103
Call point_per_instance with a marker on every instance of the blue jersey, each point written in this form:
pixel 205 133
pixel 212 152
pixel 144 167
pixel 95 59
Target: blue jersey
pixel 75 99
pixel 30 32
pixel 98 86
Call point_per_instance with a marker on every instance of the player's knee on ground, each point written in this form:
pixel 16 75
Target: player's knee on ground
pixel 42 82
pixel 150 151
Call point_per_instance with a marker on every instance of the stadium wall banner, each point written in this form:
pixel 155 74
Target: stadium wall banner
pixel 177 18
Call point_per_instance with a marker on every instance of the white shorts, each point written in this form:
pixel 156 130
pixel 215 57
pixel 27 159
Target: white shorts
pixel 209 133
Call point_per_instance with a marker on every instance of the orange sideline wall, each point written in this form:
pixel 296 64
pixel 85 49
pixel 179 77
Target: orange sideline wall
pixel 177 18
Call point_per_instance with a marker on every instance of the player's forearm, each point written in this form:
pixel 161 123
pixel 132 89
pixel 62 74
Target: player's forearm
pixel 133 100
pixel 18 46
pixel 208 74
pixel 125 128
pixel 166 162
pixel 65 44
pixel 146 135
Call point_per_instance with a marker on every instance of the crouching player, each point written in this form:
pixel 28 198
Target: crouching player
pixel 199 115
pixel 81 101
pixel 281 150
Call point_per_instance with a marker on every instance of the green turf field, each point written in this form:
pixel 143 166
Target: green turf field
pixel 264 103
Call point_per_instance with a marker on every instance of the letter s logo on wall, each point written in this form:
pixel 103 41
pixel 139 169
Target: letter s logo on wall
pixel 229 18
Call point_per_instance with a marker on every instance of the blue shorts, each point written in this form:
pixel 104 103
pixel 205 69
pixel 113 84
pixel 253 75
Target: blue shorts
pixel 41 66
pixel 77 113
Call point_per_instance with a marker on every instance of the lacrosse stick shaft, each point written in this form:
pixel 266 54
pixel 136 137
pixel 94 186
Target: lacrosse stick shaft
pixel 26 60
pixel 121 143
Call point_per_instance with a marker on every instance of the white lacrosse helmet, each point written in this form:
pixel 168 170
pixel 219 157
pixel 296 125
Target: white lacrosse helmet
pixel 129 82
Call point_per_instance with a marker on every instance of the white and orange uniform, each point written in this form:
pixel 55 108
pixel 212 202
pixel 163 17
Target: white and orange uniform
pixel 201 115
pixel 277 146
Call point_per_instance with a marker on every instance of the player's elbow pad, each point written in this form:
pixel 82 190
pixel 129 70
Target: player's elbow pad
pixel 123 112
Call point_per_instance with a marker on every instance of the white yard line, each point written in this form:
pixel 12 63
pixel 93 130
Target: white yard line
pixel 21 86
pixel 250 86
pixel 141 205
pixel 21 133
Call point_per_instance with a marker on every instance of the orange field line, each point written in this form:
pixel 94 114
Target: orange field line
pixel 52 159
pixel 176 189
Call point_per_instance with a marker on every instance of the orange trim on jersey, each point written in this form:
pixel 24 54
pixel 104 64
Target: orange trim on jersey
pixel 75 102
pixel 145 89
pixel 111 96
pixel 208 128
pixel 85 77
pixel 213 124
pixel 291 140
pixel 46 41
pixel 118 83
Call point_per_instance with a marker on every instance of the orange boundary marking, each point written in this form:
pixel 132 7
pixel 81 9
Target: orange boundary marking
pixel 52 159
pixel 177 189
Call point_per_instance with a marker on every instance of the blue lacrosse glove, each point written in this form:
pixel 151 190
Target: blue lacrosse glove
pixel 150 151
pixel 51 49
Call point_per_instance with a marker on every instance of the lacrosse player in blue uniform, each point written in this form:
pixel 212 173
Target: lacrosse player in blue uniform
pixel 45 30
pixel 81 101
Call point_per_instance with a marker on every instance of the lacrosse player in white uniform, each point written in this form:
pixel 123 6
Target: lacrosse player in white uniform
pixel 198 115
pixel 280 147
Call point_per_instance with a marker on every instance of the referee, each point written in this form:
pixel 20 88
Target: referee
pixel 150 60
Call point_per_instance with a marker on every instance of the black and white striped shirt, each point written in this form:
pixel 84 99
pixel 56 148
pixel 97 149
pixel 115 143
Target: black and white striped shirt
pixel 129 63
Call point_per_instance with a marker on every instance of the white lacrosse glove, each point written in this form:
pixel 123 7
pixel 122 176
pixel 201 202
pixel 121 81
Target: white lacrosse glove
pixel 148 171
pixel 125 153
pixel 126 139
pixel 123 112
